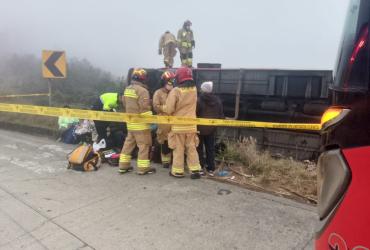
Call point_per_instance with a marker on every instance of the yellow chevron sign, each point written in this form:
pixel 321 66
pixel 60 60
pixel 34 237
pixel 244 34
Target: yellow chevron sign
pixel 54 64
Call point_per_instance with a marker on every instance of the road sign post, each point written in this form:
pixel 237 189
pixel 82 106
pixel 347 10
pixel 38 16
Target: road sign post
pixel 49 85
pixel 54 66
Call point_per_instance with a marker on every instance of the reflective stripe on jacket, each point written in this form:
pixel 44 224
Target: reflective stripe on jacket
pixel 182 101
pixel 185 38
pixel 137 101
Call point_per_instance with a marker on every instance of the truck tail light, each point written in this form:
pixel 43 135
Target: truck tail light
pixel 359 45
pixel 333 180
pixel 332 116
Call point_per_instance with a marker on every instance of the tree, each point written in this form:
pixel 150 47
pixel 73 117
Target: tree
pixel 22 74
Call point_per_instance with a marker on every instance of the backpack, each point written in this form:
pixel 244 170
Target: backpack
pixel 83 158
pixel 69 136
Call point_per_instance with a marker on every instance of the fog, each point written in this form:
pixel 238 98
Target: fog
pixel 116 35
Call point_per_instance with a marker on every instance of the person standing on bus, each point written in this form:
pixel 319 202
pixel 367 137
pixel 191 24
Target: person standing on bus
pixel 186 44
pixel 167 47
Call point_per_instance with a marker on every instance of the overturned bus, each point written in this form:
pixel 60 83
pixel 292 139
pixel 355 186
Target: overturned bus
pixel 272 95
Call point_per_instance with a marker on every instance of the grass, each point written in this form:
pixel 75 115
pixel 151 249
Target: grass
pixel 260 168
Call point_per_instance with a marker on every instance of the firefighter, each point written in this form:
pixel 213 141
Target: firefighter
pixel 106 102
pixel 167 46
pixel 186 43
pixel 159 101
pixel 183 139
pixel 137 101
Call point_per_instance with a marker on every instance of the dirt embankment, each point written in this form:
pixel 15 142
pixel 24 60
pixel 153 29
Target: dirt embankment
pixel 244 165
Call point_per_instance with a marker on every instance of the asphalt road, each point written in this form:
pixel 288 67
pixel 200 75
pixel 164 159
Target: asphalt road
pixel 45 206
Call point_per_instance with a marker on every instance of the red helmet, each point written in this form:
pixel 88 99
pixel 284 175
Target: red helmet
pixel 139 75
pixel 168 77
pixel 184 74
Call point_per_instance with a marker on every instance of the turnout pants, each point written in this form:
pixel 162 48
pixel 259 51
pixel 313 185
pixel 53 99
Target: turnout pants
pixel 184 144
pixel 162 138
pixel 208 142
pixel 169 52
pixel 186 56
pixel 141 139
pixel 165 153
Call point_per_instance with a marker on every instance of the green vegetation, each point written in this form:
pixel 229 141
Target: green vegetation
pixel 85 82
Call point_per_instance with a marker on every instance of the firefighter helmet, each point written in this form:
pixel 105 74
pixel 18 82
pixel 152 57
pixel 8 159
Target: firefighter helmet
pixel 184 74
pixel 187 23
pixel 168 77
pixel 139 75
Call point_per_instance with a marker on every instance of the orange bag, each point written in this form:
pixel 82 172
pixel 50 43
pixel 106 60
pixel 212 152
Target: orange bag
pixel 83 158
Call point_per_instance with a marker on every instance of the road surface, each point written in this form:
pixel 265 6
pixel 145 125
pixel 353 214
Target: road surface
pixel 45 206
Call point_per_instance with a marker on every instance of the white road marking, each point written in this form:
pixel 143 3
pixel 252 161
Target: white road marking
pixel 36 167
pixel 43 155
pixel 55 148
pixel 11 146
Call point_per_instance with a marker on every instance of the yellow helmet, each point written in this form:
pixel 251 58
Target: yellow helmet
pixel 168 77
pixel 139 75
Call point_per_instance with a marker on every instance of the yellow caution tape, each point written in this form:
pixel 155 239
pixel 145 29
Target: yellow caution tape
pixel 24 95
pixel 135 118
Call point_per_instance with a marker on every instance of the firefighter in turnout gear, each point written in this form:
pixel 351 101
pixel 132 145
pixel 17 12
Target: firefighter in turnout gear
pixel 137 101
pixel 186 43
pixel 183 139
pixel 167 47
pixel 159 102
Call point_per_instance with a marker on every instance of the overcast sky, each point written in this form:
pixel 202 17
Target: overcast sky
pixel 118 34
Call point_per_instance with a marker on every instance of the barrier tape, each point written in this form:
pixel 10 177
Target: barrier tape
pixel 126 117
pixel 24 95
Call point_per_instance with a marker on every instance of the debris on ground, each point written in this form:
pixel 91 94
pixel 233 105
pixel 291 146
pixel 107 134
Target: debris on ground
pixel 243 164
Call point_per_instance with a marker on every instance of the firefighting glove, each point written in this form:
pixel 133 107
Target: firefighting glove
pixel 153 127
pixel 193 44
pixel 159 52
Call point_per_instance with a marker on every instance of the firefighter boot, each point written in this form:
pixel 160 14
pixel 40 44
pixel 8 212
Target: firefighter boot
pixel 166 64
pixel 195 175
pixel 176 175
pixel 123 170
pixel 144 171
